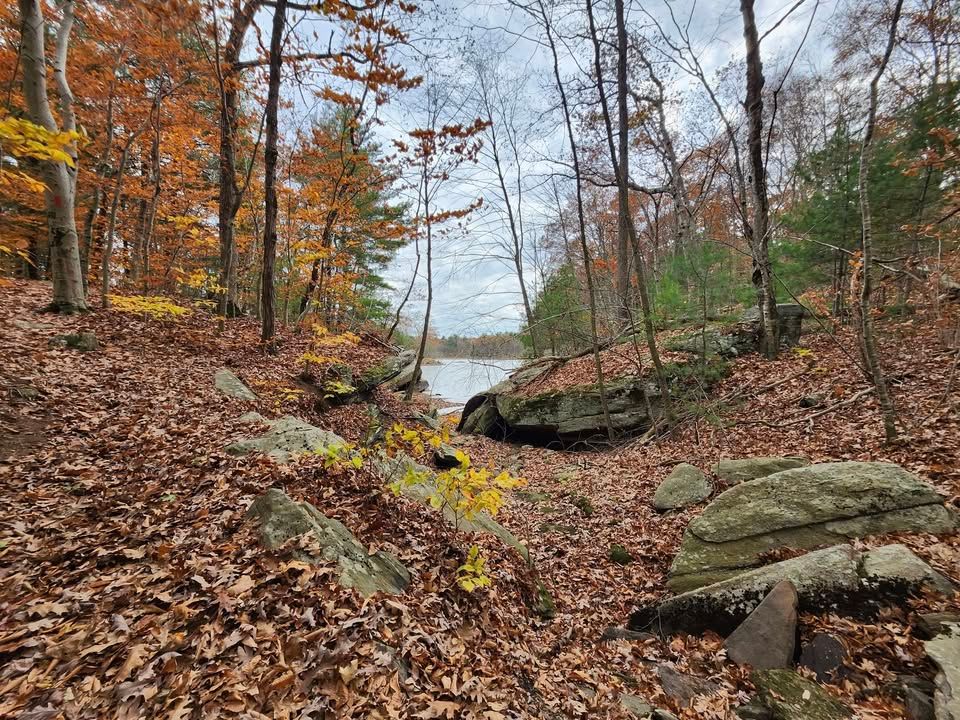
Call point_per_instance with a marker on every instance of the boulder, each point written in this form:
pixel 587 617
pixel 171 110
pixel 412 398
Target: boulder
pixel 636 706
pixel 683 687
pixel 281 519
pixel 83 341
pixel 445 457
pixel 393 469
pixel 768 637
pixel 824 655
pixel 230 385
pixel 803 508
pixel 829 580
pixel 944 650
pixel 620 555
pixel 789 696
pixel 897 561
pixel 929 625
pixel 734 472
pixel 916 694
pixel 385 370
pixel 790 318
pixel 287 438
pixel 685 485
pixel 405 376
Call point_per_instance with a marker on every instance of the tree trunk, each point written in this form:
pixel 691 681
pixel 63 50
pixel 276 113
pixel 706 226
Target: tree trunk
pixel 60 194
pixel 267 291
pixel 868 343
pixel 422 348
pixel 584 248
pixel 112 223
pixel 760 241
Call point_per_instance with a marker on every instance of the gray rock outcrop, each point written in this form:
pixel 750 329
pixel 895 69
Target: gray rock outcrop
pixel 285 439
pixel 803 508
pixel 83 341
pixel 734 472
pixel 281 519
pixel 685 485
pixel 229 384
pixel 944 650
pixel 829 580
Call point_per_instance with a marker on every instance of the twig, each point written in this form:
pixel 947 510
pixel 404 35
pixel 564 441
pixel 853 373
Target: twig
pixel 807 418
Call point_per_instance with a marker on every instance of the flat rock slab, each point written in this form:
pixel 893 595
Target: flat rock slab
pixel 82 341
pixel 230 385
pixel 804 508
pixel 768 637
pixel 683 687
pixel 287 438
pixel 685 485
pixel 789 696
pixel 734 472
pixel 944 650
pixel 281 519
pixel 833 579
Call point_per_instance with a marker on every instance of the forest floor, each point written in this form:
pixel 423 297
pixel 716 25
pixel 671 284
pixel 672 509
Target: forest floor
pixel 131 584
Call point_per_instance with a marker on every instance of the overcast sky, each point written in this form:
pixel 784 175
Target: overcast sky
pixel 475 292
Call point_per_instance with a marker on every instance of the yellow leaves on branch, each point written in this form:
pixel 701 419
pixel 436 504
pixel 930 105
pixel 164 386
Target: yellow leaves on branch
pixel 155 306
pixel 463 491
pixel 22 138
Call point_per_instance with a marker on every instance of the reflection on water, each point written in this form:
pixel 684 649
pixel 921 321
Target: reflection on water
pixel 458 379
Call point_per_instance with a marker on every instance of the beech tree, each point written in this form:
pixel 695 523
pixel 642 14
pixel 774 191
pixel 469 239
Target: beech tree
pixel 60 176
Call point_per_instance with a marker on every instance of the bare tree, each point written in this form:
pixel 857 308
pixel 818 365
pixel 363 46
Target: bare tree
pixel 760 206
pixel 867 342
pixel 60 177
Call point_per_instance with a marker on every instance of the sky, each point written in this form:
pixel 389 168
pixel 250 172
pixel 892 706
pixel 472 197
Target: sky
pixel 474 291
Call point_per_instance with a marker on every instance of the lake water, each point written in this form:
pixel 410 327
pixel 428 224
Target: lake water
pixel 458 379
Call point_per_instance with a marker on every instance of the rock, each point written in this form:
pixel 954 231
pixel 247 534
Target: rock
pixel 543 604
pixel 824 654
pixel 944 650
pixel 24 391
pixel 685 485
pixel 532 496
pixel 829 580
pixel 768 637
pixel 803 508
pixel 791 697
pixel 811 401
pixel 405 376
pixel 636 706
pixel 753 710
pixel 281 519
pixel 391 469
pixel 287 438
pixel 620 555
pixel 897 561
pixel 583 504
pixel 83 341
pixel 916 695
pixel 790 318
pixel 616 633
pixel 734 472
pixel 727 342
pixel 445 457
pixel 229 384
pixel 386 370
pixel 929 625
pixel 252 418
pixel 682 687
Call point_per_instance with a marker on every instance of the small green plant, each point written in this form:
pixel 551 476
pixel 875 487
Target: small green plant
pixel 473 573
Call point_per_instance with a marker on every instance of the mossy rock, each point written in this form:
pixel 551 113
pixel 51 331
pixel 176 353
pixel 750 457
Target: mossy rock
pixel 543 603
pixel 620 555
pixel 789 696
pixel 583 504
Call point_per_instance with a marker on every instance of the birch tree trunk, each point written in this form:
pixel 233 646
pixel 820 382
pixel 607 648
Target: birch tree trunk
pixel 60 179
pixel 867 342
pixel 267 291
